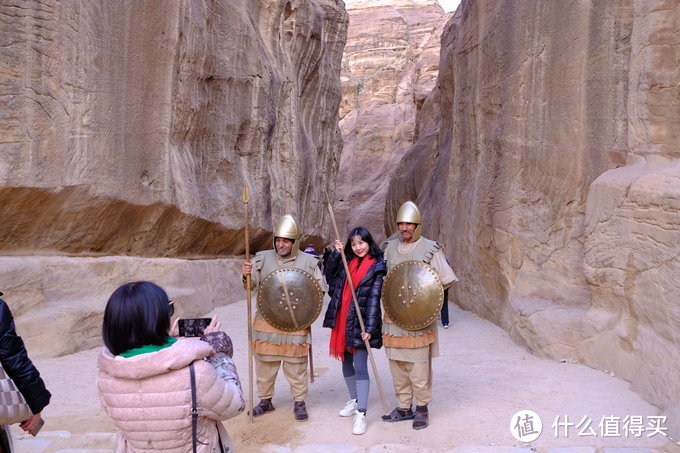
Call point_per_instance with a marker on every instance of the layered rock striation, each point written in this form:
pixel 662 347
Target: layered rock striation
pixel 390 64
pixel 128 131
pixel 549 167
pixel 131 129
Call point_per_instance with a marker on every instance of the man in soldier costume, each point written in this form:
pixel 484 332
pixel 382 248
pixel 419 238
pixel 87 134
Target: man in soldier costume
pixel 410 351
pixel 271 346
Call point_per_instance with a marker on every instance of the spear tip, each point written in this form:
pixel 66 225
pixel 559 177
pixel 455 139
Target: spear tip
pixel 246 195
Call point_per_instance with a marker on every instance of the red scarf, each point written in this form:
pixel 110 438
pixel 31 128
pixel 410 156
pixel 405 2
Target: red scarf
pixel 357 270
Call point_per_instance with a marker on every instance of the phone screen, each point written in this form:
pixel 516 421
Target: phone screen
pixel 193 327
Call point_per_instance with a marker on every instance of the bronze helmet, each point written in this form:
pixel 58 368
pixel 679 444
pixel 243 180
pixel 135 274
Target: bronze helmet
pixel 287 228
pixel 410 213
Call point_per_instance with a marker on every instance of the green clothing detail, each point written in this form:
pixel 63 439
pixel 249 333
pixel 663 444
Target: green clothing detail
pixel 149 348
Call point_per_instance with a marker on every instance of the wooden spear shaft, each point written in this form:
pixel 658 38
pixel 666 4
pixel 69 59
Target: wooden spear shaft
pixel 358 311
pixel 246 198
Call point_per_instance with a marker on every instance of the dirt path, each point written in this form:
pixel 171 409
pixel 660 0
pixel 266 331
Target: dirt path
pixel 480 381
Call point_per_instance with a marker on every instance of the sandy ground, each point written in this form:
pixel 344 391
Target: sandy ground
pixel 480 381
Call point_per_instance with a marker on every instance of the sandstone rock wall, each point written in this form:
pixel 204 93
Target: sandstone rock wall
pixel 390 64
pixel 58 302
pixel 550 169
pixel 130 128
pixel 632 238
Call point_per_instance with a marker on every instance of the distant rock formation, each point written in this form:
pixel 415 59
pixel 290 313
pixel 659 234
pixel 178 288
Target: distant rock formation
pixel 129 129
pixel 390 65
pixel 549 166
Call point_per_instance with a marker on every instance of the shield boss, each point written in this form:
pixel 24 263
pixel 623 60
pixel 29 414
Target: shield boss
pixel 412 295
pixel 289 299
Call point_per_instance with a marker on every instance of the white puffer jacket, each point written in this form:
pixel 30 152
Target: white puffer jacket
pixel 149 398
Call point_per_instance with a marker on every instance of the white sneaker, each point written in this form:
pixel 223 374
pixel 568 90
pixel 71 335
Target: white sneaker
pixel 359 423
pixel 349 409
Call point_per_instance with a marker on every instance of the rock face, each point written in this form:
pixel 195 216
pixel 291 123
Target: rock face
pixel 58 302
pixel 549 166
pixel 389 66
pixel 131 130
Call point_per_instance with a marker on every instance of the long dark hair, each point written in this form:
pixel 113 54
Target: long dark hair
pixel 137 314
pixel 365 235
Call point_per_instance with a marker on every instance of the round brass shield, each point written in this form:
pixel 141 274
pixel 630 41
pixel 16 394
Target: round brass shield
pixel 289 299
pixel 412 295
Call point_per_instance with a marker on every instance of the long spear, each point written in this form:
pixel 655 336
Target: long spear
pixel 358 311
pixel 246 198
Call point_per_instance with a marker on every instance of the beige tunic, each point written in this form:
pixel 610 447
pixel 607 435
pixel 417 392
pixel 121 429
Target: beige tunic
pixel 270 343
pixel 429 252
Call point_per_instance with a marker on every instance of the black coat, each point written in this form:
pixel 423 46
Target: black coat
pixel 368 295
pixel 18 366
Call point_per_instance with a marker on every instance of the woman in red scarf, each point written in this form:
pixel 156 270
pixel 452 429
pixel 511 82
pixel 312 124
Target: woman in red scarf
pixel 367 270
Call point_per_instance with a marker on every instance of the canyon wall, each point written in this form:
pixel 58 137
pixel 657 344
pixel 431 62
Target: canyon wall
pixel 390 65
pixel 128 131
pixel 549 167
pixel 130 128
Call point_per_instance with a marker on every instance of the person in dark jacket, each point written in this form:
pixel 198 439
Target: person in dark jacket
pixel 19 367
pixel 367 271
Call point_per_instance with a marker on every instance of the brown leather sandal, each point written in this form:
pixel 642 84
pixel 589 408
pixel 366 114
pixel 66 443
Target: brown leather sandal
pixel 264 406
pixel 300 411
pixel 398 415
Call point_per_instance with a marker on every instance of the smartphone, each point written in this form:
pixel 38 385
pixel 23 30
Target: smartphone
pixel 37 428
pixel 193 327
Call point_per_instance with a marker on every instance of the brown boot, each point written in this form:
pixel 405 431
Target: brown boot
pixel 300 411
pixel 421 419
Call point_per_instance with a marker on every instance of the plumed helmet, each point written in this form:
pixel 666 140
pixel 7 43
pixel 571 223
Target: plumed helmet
pixel 410 213
pixel 288 228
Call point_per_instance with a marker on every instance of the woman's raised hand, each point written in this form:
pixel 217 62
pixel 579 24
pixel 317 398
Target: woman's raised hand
pixel 338 246
pixel 214 326
pixel 174 329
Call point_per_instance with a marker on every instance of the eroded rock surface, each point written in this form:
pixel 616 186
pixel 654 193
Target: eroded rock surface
pixel 550 169
pixel 390 64
pixel 129 129
pixel 58 302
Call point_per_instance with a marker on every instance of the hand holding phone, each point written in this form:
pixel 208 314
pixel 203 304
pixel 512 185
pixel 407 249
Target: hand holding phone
pixel 193 327
pixel 33 424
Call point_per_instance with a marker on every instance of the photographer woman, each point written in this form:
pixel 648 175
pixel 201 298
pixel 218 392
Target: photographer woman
pixel 144 377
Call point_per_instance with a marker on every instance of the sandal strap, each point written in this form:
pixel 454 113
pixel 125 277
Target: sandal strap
pixel 262 407
pixel 399 414
pixel 300 411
